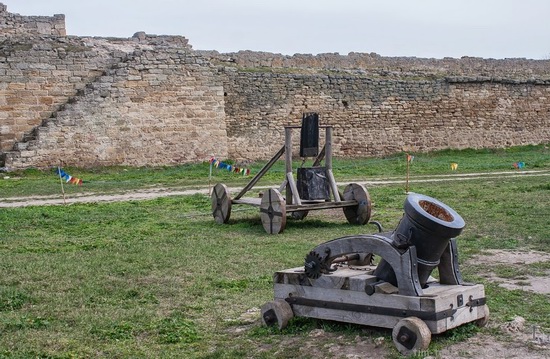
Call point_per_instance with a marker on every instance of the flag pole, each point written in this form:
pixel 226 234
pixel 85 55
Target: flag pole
pixel 210 179
pixel 408 169
pixel 61 181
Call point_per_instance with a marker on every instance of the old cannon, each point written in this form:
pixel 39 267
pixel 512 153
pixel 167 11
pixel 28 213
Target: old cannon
pixel 314 188
pixel 339 282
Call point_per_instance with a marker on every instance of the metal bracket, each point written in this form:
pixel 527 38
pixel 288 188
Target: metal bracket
pixel 449 271
pixel 475 302
pixel 406 337
pixel 369 309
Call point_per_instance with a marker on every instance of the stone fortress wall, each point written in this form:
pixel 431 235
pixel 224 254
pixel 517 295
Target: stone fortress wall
pixel 385 105
pixel 153 100
pixel 15 24
pixel 146 100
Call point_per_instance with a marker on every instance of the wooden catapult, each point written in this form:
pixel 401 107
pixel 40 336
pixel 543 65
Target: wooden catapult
pixel 315 188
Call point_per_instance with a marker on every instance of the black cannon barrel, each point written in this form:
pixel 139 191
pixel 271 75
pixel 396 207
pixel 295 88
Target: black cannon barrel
pixel 427 224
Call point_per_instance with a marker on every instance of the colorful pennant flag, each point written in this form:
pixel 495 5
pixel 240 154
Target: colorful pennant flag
pixel 454 166
pixel 222 165
pixel 68 178
pixel 410 158
pixel 519 165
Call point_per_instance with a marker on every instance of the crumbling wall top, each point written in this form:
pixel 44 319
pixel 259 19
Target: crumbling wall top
pixel 15 24
pixel 161 40
pixel 465 68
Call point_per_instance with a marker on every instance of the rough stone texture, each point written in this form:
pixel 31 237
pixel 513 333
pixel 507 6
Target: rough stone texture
pixel 156 106
pixel 152 100
pixel 15 24
pixel 374 116
pixel 470 68
pixel 39 75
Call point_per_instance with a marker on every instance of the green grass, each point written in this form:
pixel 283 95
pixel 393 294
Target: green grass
pixel 158 278
pixel 34 182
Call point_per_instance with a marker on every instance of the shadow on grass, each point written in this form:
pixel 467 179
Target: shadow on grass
pixel 294 224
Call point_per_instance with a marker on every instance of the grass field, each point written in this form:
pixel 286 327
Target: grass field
pixel 158 278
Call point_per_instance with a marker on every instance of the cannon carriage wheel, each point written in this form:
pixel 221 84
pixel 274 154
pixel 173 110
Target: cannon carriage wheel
pixel 276 313
pixel 411 335
pixel 482 322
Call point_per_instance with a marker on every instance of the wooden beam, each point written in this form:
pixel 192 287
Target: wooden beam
pixel 328 165
pixel 293 189
pixel 262 172
pixel 291 184
pixel 320 157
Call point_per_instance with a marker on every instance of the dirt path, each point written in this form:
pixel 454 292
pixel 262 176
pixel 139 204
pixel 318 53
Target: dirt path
pixel 146 194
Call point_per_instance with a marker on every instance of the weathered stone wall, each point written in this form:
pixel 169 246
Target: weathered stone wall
pixel 39 75
pixel 159 106
pixel 152 100
pixel 375 116
pixel 374 65
pixel 380 105
pixel 15 24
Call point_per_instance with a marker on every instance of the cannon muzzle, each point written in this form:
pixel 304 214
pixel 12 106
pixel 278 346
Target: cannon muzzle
pixel 427 224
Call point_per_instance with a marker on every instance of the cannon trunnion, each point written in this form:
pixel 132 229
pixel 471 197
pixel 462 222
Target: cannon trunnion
pixel 338 282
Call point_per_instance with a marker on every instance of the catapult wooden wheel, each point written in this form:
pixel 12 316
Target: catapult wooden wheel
pixel 361 213
pixel 314 189
pixel 221 203
pixel 299 215
pixel 273 211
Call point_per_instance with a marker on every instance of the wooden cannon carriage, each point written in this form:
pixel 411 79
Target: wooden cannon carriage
pixel 315 188
pixel 338 281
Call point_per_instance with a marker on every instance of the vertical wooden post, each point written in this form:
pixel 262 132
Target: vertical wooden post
pixel 288 159
pixel 328 148
pixel 210 179
pixel 292 194
pixel 61 181
pixel 328 163
pixel 408 169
